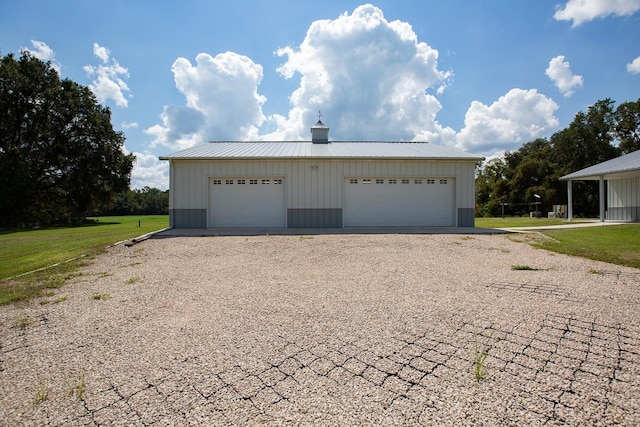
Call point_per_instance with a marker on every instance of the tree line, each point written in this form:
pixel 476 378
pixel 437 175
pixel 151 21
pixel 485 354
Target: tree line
pixel 511 183
pixel 147 201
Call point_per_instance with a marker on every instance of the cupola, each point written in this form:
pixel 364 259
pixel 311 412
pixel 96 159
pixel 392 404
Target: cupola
pixel 319 132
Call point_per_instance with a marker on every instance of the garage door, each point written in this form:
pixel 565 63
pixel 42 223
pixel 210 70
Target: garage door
pixel 246 202
pixel 377 201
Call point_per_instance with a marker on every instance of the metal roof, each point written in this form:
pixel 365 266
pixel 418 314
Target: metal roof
pixel 620 167
pixel 306 149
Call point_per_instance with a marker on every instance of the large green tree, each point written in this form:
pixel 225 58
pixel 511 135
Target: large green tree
pixel 588 140
pixel 627 128
pixel 60 158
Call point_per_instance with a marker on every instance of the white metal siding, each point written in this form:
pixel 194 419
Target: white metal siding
pixel 313 183
pixel 402 201
pixel 246 202
pixel 623 192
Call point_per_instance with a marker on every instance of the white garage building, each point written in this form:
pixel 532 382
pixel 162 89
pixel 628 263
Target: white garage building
pixel 321 184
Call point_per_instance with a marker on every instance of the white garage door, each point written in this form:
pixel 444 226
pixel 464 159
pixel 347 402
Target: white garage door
pixel 246 202
pixel 372 201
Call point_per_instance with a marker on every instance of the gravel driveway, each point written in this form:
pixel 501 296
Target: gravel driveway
pixel 327 330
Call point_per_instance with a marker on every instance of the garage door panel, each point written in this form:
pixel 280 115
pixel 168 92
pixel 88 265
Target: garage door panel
pixel 247 202
pixel 399 202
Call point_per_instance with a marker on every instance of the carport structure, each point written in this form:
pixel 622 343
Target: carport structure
pixel 622 179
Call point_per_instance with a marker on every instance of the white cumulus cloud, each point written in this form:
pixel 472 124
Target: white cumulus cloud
pixel 107 79
pixel 559 71
pixel 149 171
pixel 580 11
pixel 43 52
pixel 129 125
pixel 634 66
pixel 222 101
pixel 369 76
pixel 515 118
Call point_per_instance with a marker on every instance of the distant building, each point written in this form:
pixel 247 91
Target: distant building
pixel 621 178
pixel 321 184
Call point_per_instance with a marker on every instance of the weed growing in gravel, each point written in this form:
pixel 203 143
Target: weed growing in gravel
pixel 518 267
pixel 76 388
pixel 133 280
pixel 60 299
pixel 46 300
pixel 479 359
pixel 101 296
pixel 22 322
pixel 594 271
pixel 104 274
pixel 42 393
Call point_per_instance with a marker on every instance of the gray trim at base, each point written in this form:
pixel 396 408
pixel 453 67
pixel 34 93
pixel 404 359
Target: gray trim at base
pixel 188 218
pixel 466 217
pixel 627 213
pixel 314 218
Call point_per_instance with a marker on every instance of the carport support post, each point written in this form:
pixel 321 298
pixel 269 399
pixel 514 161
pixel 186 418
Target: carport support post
pixel 602 215
pixel 570 200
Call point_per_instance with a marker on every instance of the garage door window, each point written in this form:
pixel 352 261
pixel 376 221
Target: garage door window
pixel 217 181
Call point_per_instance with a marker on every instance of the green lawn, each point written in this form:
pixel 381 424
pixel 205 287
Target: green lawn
pixel 509 222
pixel 617 244
pixel 22 251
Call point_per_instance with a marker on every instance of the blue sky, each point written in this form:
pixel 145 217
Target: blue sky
pixel 484 76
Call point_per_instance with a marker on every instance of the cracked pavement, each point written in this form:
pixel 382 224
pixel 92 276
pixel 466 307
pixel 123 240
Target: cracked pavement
pixel 327 330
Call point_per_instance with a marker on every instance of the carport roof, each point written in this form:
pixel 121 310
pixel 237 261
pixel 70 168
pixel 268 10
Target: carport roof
pixel 620 167
pixel 306 149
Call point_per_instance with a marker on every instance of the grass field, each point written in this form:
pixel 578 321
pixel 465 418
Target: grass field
pixel 509 222
pixel 22 251
pixel 617 244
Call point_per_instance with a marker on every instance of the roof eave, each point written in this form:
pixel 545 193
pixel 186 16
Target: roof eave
pixel 625 173
pixel 475 159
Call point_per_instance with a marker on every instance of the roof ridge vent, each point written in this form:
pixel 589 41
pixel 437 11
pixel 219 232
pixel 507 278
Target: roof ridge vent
pixel 319 132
